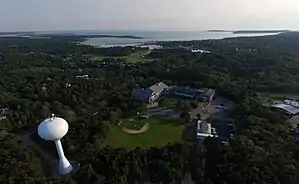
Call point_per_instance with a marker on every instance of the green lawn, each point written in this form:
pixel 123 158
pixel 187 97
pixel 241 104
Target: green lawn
pixel 97 57
pixel 132 58
pixel 160 133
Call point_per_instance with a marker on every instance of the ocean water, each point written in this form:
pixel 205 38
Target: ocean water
pixel 147 36
pixel 151 36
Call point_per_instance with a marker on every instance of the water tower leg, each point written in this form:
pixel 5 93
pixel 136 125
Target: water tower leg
pixel 64 165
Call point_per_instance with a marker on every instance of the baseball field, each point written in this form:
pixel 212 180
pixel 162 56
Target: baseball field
pixel 138 132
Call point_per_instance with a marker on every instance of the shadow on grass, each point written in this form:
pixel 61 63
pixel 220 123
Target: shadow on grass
pixel 189 133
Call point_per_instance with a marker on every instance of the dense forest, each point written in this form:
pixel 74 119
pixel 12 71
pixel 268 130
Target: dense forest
pixel 38 77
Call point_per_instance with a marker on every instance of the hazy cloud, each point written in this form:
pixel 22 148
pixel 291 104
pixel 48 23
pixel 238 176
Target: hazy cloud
pixel 148 14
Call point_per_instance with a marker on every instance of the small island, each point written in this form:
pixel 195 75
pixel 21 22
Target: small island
pixel 259 31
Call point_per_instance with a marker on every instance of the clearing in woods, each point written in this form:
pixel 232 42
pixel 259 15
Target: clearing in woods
pixel 131 58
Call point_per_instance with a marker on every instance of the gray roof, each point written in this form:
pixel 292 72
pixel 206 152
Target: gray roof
pixel 203 127
pixel 158 88
pixel 209 92
pixel 184 90
pixel 288 108
pixel 142 94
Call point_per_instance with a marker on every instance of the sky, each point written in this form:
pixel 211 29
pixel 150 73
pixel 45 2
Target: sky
pixel 51 15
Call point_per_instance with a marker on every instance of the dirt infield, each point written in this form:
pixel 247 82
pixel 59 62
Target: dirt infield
pixel 145 128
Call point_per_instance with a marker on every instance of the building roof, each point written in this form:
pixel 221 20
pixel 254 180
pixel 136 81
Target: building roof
pixel 184 90
pixel 200 50
pixel 205 135
pixel 209 92
pixel 203 127
pixel 288 108
pixel 158 88
pixel 142 94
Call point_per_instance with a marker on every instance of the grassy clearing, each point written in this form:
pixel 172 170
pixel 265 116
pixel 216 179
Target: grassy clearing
pixel 98 57
pixel 132 58
pixel 161 132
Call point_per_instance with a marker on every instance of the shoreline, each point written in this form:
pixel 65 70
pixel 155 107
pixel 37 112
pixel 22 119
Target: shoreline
pixel 155 43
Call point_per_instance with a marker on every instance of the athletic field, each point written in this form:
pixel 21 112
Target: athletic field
pixel 160 133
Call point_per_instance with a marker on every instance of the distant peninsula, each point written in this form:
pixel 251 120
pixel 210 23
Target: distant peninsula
pixel 55 35
pixel 86 36
pixel 113 36
pixel 219 31
pixel 16 33
pixel 259 31
pixel 247 31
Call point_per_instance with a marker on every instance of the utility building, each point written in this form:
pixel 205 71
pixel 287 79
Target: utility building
pixel 204 130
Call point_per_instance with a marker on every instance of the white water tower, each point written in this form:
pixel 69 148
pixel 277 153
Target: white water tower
pixel 53 129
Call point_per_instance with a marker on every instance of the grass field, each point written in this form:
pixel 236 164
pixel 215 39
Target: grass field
pixel 132 58
pixel 160 133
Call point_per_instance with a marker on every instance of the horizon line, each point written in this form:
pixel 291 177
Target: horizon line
pixel 156 29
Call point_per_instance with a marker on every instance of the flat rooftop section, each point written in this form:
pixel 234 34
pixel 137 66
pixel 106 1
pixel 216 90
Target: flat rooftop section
pixel 287 108
pixel 204 135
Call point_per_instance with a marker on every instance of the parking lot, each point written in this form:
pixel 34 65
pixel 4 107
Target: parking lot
pixel 164 112
pixel 217 114
pixel 215 110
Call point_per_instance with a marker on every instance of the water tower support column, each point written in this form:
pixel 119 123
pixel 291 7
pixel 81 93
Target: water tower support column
pixel 64 165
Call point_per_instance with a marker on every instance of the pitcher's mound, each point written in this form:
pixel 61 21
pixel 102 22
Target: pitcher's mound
pixel 145 128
